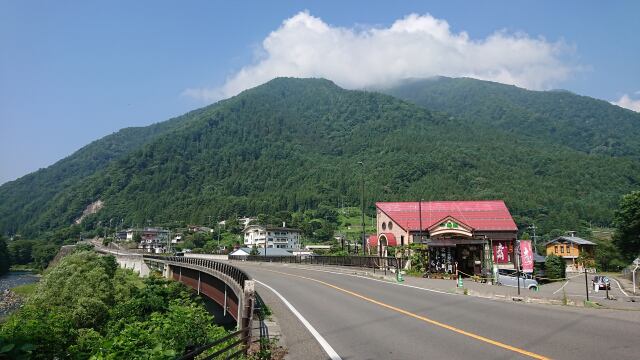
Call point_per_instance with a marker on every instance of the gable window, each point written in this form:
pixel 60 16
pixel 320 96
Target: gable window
pixel 390 225
pixel 384 226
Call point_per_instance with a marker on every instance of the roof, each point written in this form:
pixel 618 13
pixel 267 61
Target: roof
pixel 270 251
pixel 483 215
pixel 539 258
pixel 572 239
pixel 271 228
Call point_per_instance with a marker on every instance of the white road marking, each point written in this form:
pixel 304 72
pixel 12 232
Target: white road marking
pixel 333 355
pixel 620 287
pixel 565 284
pixel 562 287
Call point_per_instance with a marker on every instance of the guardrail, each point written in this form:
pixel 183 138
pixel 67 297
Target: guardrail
pixel 239 276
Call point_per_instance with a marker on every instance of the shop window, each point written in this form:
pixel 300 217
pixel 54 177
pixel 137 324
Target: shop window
pixel 390 225
pixel 384 226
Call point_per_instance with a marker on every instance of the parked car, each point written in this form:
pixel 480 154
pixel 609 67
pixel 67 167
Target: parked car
pixel 601 282
pixel 526 281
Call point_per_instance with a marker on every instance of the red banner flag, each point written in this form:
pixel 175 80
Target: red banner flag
pixel 526 256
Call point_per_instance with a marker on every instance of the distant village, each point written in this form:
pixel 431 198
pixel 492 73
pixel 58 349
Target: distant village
pixel 470 237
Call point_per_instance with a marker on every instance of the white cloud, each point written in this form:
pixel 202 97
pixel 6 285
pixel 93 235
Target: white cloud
pixel 416 46
pixel 627 102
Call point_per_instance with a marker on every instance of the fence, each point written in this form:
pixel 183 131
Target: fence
pixel 372 262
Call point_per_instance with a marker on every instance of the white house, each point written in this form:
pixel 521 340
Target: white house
pixel 276 237
pixel 152 240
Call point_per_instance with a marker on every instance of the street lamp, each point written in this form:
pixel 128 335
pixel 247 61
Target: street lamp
pixel 364 240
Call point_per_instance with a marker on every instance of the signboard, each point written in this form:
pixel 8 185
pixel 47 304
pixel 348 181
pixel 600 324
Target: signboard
pixel 526 256
pixel 500 252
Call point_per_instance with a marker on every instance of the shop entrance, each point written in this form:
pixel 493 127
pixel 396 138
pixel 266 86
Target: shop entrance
pixel 462 257
pixel 469 258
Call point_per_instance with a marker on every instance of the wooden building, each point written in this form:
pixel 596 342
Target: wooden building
pixel 569 248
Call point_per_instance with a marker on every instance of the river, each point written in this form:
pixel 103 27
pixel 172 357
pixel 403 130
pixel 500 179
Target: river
pixel 8 300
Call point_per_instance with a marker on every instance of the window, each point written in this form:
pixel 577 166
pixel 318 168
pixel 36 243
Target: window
pixel 555 249
pixel 568 249
pixel 562 249
pixel 390 225
pixel 384 226
pixel 401 238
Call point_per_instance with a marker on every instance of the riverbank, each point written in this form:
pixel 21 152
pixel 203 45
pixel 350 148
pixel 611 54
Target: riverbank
pixel 11 300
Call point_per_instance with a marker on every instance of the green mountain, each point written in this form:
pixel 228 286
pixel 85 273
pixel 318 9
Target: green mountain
pixel 293 144
pixel 582 123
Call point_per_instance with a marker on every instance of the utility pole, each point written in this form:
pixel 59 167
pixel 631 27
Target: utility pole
pixel 535 244
pixel 420 218
pixel 363 235
pixel 518 264
pixel 218 250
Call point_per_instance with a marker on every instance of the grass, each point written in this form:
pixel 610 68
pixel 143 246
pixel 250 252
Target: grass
pixel 27 267
pixel 350 222
pixel 25 290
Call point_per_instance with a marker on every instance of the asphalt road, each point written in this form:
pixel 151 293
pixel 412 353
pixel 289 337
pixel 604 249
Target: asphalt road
pixel 363 318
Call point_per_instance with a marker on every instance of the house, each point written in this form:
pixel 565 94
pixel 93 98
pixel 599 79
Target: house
pixel 177 239
pixel 198 228
pixel 470 236
pixel 246 251
pixel 153 240
pixel 276 237
pixel 570 247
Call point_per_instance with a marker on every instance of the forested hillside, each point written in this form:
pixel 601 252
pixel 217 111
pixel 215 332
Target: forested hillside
pixel 21 198
pixel 293 144
pixel 586 124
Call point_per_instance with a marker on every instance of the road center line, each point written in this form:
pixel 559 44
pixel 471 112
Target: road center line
pixel 333 355
pixel 419 317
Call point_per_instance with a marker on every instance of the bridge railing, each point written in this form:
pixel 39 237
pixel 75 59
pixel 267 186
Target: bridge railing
pixel 236 342
pixel 239 276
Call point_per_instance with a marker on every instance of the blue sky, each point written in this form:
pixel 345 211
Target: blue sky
pixel 74 71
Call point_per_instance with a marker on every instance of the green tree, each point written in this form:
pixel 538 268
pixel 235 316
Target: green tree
pixel 555 267
pixel 5 260
pixel 87 307
pixel 627 226
pixel 20 251
pixel 43 253
pixel 608 257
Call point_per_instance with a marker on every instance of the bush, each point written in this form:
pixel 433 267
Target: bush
pixel 555 267
pixel 87 307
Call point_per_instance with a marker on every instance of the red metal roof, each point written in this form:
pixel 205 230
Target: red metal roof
pixel 485 215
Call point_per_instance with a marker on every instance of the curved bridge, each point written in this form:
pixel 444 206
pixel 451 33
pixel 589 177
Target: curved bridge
pixel 228 286
pixel 225 284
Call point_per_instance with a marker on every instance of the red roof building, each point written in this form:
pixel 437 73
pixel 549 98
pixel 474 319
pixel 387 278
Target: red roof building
pixel 460 234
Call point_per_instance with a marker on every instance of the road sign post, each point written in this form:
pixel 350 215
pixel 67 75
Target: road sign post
pixel 586 282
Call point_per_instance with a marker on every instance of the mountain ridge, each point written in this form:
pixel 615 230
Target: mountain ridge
pixel 293 144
